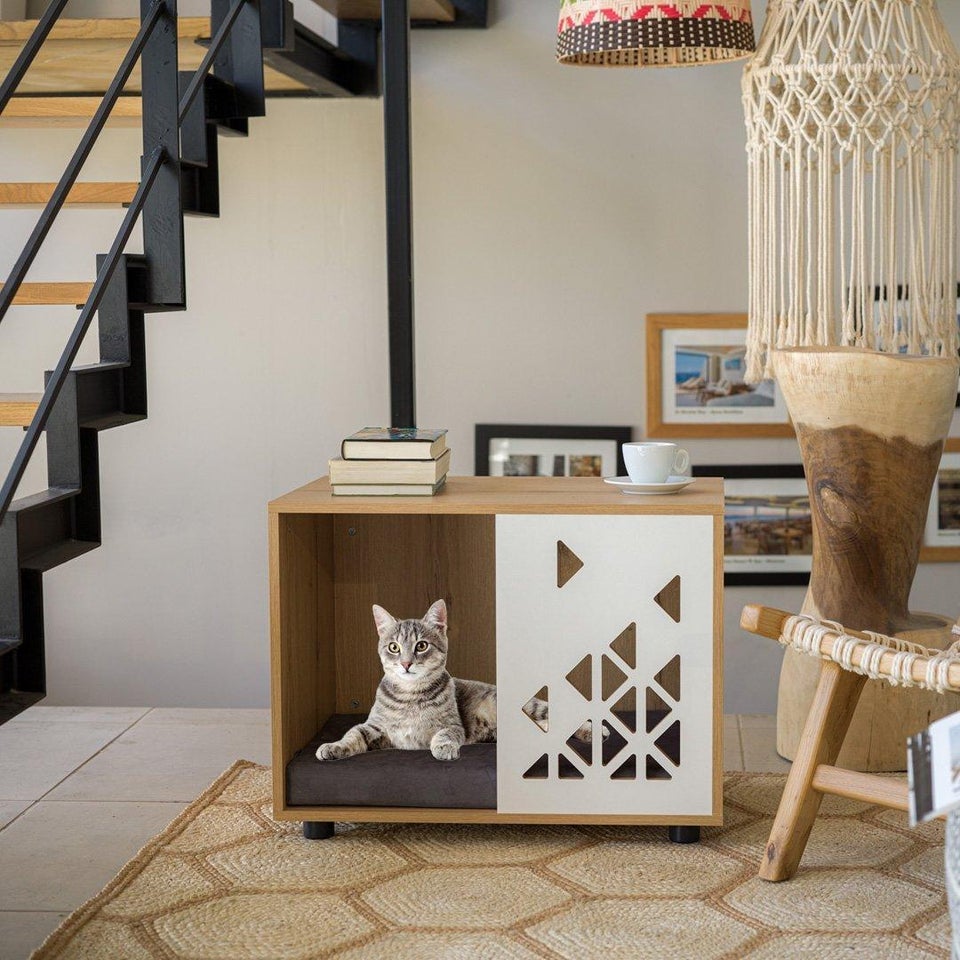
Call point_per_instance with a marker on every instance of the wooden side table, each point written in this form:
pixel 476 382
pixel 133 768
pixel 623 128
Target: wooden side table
pixel 607 605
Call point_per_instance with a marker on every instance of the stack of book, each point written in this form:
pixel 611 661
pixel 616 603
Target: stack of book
pixel 391 462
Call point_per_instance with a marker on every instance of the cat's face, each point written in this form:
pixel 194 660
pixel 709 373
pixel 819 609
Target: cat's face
pixel 413 651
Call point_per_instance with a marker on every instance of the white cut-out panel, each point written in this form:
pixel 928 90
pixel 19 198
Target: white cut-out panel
pixel 544 633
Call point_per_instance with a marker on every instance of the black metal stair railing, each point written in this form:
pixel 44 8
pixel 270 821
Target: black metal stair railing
pixel 164 110
pixel 182 112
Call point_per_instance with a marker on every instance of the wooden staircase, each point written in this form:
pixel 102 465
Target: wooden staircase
pixel 97 73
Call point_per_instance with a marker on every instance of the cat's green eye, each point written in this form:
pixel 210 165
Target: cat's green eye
pixel 394 648
pixel 421 646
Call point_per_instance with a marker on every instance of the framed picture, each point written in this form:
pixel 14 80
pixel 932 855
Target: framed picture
pixel 539 450
pixel 941 539
pixel 695 380
pixel 767 525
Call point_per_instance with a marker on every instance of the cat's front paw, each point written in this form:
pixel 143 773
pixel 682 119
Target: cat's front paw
pixel 445 751
pixel 331 751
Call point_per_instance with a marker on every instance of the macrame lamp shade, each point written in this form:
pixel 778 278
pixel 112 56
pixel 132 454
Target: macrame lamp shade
pixel 628 33
pixel 851 109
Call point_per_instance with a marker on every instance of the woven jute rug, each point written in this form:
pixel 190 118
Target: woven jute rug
pixel 226 882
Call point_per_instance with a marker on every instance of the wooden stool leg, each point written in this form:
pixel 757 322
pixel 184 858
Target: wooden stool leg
pixel 827 723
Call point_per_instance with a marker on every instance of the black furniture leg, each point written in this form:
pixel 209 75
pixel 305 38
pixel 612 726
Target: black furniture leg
pixel 319 830
pixel 681 834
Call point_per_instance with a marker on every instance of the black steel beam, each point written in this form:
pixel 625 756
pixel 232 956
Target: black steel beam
pixel 471 14
pixel 276 24
pixel 163 241
pixel 396 127
pixel 326 69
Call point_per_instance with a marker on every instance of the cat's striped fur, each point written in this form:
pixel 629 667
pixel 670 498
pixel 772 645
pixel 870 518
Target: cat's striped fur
pixel 418 704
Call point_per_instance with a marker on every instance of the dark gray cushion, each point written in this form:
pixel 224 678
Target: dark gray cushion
pixel 412 778
pixel 391 778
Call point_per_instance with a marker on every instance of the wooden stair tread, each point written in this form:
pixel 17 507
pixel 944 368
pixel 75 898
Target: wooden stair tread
pixel 82 194
pixel 52 294
pixel 81 56
pixel 440 10
pixel 68 112
pixel 17 409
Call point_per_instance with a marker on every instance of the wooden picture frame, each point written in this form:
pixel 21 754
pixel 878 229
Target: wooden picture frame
pixel 782 480
pixel 699 391
pixel 544 449
pixel 941 537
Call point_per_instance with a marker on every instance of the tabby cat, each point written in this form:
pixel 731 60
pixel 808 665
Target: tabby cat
pixel 418 704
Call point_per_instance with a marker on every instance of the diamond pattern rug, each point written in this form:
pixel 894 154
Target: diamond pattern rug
pixel 226 882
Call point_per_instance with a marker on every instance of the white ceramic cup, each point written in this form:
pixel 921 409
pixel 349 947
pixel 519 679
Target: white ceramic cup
pixel 654 462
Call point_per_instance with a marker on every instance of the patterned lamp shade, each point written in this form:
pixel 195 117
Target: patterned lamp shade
pixel 628 33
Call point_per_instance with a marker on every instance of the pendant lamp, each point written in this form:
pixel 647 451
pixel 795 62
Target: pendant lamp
pixel 627 33
pixel 852 118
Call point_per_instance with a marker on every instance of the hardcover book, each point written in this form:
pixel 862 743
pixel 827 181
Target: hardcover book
pixel 394 443
pixel 388 489
pixel 389 471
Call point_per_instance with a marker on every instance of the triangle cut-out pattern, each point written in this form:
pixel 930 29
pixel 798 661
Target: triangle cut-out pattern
pixel 538 771
pixel 582 748
pixel 581 677
pixel 626 710
pixel 566 769
pixel 626 770
pixel 668 599
pixel 532 709
pixel 568 564
pixel 669 678
pixel 669 742
pixel 657 708
pixel 611 676
pixel 613 742
pixel 655 771
pixel 625 646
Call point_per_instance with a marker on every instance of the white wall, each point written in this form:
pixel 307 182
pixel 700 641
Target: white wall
pixel 554 208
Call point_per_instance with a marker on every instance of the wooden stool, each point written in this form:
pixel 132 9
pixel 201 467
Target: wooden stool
pixel 871 428
pixel 848 658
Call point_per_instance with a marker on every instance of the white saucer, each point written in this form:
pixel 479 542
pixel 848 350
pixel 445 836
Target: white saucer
pixel 672 485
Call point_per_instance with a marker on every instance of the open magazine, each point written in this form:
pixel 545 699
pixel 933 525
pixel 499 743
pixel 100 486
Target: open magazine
pixel 933 769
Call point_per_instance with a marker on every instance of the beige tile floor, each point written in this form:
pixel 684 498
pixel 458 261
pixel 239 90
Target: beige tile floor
pixel 83 788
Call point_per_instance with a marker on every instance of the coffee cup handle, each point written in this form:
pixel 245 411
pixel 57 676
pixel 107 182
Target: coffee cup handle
pixel 681 462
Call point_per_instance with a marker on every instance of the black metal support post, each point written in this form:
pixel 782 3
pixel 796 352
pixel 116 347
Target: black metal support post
pixel 163 243
pixel 396 127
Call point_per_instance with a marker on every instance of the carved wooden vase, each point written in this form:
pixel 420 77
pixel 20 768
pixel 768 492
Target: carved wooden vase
pixel 871 428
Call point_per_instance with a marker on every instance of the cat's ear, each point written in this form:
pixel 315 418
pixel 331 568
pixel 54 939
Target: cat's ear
pixel 436 616
pixel 385 623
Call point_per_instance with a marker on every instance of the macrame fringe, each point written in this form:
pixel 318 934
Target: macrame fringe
pixel 851 109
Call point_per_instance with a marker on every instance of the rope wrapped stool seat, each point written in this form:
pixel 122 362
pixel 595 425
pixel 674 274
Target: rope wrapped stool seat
pixel 876 656
pixel 848 658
